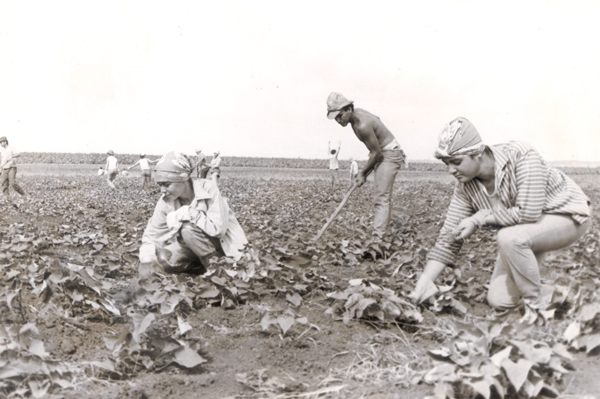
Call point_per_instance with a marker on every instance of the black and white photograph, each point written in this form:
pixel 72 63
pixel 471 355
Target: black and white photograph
pixel 300 200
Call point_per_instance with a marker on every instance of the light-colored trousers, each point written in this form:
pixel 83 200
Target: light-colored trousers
pixel 192 250
pixel 521 249
pixel 9 179
pixel 385 175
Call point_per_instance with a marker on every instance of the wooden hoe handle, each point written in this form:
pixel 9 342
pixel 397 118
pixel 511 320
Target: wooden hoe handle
pixel 338 209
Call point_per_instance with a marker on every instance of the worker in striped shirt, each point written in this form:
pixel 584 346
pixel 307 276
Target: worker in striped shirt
pixel 537 208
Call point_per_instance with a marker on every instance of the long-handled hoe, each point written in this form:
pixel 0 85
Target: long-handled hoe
pixel 337 210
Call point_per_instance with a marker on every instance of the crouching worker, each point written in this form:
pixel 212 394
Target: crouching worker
pixel 537 208
pixel 191 221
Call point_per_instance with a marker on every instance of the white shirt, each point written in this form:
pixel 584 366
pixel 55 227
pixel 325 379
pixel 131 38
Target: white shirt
pixel 354 168
pixel 112 162
pixel 215 162
pixel 6 154
pixel 209 212
pixel 144 164
pixel 333 161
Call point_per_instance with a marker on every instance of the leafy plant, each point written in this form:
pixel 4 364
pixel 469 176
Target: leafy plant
pixel 25 366
pixel 491 356
pixel 365 300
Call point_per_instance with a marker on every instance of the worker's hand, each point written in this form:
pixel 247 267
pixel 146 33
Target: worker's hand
pixel 465 229
pixel 182 214
pixel 176 218
pixel 360 179
pixel 424 289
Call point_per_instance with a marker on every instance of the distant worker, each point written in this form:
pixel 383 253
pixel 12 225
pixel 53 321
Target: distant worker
pixel 8 166
pixel 215 167
pixel 201 167
pixel 111 169
pixel 146 170
pixel 334 164
pixel 353 171
pixel 385 155
pixel 191 221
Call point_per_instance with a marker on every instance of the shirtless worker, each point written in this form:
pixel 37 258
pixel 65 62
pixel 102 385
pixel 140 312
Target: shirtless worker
pixel 385 155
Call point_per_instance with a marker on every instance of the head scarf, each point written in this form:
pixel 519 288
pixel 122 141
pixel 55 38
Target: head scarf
pixel 459 137
pixel 173 167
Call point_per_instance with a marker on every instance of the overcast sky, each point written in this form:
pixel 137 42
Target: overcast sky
pixel 251 78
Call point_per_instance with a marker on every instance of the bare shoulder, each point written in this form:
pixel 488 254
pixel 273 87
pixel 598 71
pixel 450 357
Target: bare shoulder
pixel 369 120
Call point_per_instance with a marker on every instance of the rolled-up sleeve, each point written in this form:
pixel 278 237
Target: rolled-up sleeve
pixel 157 227
pixel 531 179
pixel 214 219
pixel 446 248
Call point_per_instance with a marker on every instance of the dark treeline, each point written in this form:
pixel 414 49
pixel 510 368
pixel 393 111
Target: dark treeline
pixel 298 163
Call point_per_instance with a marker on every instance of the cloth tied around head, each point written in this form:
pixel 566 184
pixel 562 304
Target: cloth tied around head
pixel 173 167
pixel 459 137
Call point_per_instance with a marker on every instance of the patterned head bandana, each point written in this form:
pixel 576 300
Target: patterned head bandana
pixel 459 137
pixel 173 167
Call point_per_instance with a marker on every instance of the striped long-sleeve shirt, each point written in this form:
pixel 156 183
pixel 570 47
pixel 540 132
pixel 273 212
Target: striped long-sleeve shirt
pixel 527 187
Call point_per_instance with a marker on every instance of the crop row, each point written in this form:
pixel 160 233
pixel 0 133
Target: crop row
pixel 297 163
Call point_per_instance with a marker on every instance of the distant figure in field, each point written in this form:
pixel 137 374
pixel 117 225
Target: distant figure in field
pixel 146 169
pixel 201 167
pixel 111 169
pixel 353 171
pixel 191 221
pixel 334 164
pixel 215 167
pixel 8 166
pixel 385 155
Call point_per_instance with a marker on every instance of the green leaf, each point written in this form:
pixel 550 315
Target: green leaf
pixel 499 357
pixel 572 331
pixel 590 342
pixel 516 372
pixel 285 321
pixel 37 348
pixel 188 357
pixel 562 351
pixel 588 312
pixel 266 321
pixel 441 372
pixel 295 299
pixel 533 385
pixel 211 292
pixel 480 386
pixel 338 295
pixel 218 280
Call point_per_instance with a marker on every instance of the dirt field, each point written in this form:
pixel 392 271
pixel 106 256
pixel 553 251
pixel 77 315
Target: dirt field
pixel 293 319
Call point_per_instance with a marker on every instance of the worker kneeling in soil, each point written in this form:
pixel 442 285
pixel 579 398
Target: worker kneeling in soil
pixel 191 221
pixel 537 208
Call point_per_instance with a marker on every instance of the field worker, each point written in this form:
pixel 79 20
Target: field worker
pixel 111 169
pixel 201 168
pixel 215 167
pixel 191 221
pixel 537 208
pixel 353 171
pixel 334 164
pixel 146 170
pixel 8 168
pixel 385 155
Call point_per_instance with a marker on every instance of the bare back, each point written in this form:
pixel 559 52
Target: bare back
pixel 369 123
